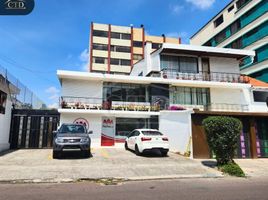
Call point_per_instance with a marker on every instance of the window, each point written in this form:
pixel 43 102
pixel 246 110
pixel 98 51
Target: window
pixel 99 60
pixel 220 37
pixel 125 62
pixel 235 27
pixel 189 96
pixel 125 36
pixel 208 44
pixel 120 49
pixel 137 57
pixel 115 35
pixel 260 96
pixel 114 61
pixel 156 45
pixel 103 47
pixel 237 44
pixel 218 21
pixel 3 99
pixel 230 8
pixel 137 43
pixel 241 3
pixel 100 33
pixel 179 63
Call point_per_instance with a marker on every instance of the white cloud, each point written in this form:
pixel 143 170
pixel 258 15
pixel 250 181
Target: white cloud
pixel 53 93
pixel 52 90
pixel 84 59
pixel 202 4
pixel 176 9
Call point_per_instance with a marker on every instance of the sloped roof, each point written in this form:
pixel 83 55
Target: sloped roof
pixel 257 83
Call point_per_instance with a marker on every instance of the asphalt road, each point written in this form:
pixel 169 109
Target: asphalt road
pixel 201 189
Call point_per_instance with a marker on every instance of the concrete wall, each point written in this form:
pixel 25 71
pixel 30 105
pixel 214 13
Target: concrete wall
pixel 5 120
pixel 177 126
pixel 81 88
pixel 94 122
pixel 228 96
pixel 225 65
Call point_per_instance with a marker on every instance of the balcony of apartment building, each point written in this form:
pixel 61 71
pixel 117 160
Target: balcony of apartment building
pixel 121 97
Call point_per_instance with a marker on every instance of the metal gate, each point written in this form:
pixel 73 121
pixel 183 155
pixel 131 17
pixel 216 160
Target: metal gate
pixel 33 128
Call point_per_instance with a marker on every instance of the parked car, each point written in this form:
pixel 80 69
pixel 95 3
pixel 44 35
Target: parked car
pixel 141 140
pixel 71 136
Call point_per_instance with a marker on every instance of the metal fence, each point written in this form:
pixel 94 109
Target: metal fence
pixel 21 96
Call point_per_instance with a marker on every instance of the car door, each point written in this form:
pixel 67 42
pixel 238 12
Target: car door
pixel 135 138
pixel 130 140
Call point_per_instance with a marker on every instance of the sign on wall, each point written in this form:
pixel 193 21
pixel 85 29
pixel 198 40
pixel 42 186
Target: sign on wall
pixel 108 131
pixel 82 121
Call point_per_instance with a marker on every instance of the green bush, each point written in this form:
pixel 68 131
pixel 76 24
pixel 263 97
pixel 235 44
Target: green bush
pixel 232 169
pixel 222 136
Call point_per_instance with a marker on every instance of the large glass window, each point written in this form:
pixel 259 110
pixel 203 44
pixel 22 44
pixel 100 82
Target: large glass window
pixel 241 3
pixel 218 21
pixel 124 92
pixel 189 96
pixel 179 64
pixel 99 33
pixel 103 47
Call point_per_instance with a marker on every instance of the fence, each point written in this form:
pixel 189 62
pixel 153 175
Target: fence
pixel 21 96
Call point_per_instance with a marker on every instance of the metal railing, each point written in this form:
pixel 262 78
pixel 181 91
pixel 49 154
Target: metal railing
pixel 226 107
pixel 205 76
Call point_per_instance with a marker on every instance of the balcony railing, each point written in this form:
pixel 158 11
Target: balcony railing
pixel 205 76
pixel 100 104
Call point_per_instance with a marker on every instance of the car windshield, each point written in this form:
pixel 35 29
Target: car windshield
pixel 153 133
pixel 70 128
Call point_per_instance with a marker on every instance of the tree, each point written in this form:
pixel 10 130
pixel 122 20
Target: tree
pixel 222 136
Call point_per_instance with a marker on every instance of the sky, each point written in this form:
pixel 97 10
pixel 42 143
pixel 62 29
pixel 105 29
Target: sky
pixel 56 34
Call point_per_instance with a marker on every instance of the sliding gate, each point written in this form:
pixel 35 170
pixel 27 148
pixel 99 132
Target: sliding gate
pixel 33 128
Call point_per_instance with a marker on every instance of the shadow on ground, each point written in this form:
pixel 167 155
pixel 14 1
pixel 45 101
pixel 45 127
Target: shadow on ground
pixel 7 152
pixel 209 163
pixel 73 155
pixel 151 154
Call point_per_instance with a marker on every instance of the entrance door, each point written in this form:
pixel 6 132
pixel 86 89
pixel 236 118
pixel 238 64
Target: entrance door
pixel 262 133
pixel 108 131
pixel 206 69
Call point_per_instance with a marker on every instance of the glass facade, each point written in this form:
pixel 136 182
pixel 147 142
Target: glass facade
pixel 179 63
pixel 189 96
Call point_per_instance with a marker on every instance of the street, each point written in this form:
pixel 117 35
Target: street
pixel 220 188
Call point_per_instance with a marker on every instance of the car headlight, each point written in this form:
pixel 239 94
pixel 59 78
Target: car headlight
pixel 84 140
pixel 59 140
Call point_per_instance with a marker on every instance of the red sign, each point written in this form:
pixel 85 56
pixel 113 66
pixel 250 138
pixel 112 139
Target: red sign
pixel 82 121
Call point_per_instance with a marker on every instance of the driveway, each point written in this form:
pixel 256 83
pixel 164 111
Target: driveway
pixel 104 163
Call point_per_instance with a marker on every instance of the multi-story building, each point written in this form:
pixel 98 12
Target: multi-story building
pixel 171 89
pixel 242 24
pixel 115 49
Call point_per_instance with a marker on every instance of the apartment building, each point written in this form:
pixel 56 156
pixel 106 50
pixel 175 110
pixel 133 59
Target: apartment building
pixel 170 89
pixel 242 24
pixel 115 49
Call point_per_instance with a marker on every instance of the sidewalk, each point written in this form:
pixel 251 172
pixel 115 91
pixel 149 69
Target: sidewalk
pixel 38 165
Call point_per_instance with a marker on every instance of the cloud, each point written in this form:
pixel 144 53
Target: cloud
pixel 84 60
pixel 202 4
pixel 53 93
pixel 176 9
pixel 53 105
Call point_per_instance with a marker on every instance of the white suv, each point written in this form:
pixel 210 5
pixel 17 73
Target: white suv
pixel 141 140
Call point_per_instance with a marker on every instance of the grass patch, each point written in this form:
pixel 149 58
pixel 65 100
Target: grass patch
pixel 232 169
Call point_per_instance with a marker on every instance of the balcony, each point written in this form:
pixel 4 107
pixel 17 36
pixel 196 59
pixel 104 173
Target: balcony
pixel 68 102
pixel 205 76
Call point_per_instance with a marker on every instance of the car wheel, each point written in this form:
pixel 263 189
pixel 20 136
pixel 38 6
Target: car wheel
pixel 126 147
pixel 86 153
pixel 164 153
pixel 56 154
pixel 137 151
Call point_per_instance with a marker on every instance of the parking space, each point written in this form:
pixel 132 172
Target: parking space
pixel 104 163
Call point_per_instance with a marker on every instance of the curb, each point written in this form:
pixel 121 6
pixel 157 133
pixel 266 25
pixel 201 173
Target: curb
pixel 109 180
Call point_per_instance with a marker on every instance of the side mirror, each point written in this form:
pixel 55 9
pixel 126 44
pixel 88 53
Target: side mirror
pixel 90 132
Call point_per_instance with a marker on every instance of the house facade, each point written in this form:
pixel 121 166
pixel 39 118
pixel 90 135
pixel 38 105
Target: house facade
pixel 115 49
pixel 242 24
pixel 163 91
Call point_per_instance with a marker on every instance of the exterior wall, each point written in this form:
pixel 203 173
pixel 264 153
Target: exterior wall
pixel 227 96
pixel 94 121
pixel 5 120
pixel 177 126
pixel 78 88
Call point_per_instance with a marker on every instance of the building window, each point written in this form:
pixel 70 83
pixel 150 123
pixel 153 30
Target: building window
pixel 103 47
pixel 230 8
pixel 123 36
pixel 237 44
pixel 120 49
pixel 125 62
pixel 99 60
pixel 99 33
pixel 137 43
pixel 241 3
pixel 220 37
pixel 3 99
pixel 137 57
pixel 156 45
pixel 179 63
pixel 218 21
pixel 115 35
pixel 260 96
pixel 114 61
pixel 189 96
pixel 235 27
